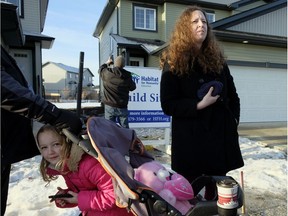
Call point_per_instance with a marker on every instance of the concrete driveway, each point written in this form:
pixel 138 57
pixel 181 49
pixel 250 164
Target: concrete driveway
pixel 270 134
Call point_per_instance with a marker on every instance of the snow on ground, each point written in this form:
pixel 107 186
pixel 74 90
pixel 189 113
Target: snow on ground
pixel 265 170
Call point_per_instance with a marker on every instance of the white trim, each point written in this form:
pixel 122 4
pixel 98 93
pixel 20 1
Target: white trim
pixel 144 18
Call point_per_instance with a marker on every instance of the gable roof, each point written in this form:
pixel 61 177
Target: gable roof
pixel 248 15
pixel 222 33
pixel 69 68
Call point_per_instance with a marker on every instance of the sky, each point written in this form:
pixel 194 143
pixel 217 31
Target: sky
pixel 265 170
pixel 72 24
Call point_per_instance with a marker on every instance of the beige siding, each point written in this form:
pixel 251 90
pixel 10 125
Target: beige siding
pixel 173 11
pixel 253 53
pixel 52 73
pixel 31 21
pixel 274 23
pixel 105 38
pixel 219 14
pixel 153 61
pixel 54 78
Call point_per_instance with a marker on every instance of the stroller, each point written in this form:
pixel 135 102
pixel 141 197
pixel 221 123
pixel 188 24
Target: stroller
pixel 119 151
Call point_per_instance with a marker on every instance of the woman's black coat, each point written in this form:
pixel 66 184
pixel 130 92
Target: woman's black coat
pixel 203 141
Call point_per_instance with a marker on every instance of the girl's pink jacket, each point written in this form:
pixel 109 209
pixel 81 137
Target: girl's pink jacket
pixel 94 187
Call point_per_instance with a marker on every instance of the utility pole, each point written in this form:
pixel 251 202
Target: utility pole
pixel 81 63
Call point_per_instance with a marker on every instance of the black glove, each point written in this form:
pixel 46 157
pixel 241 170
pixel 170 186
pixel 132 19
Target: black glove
pixel 69 120
pixel 206 86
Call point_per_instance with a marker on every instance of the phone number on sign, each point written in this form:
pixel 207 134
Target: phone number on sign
pixel 149 119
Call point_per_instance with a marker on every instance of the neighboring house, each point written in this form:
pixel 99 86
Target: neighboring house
pixel 62 79
pixel 21 25
pixel 253 34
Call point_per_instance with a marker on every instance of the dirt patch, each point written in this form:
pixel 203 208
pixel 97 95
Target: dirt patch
pixel 268 204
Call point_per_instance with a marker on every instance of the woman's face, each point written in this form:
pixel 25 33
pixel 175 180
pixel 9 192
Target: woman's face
pixel 50 146
pixel 199 27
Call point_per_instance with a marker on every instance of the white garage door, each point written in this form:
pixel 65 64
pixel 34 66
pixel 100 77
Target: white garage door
pixel 263 93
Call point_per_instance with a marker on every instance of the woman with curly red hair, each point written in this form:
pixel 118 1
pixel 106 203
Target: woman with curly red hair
pixel 198 91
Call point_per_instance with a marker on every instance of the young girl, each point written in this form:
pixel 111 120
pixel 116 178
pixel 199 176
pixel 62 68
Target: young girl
pixel 88 183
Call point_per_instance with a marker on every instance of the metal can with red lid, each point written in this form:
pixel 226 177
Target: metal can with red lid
pixel 227 197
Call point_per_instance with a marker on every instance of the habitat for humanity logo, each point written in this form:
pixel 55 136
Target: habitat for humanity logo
pixel 135 78
pixel 145 80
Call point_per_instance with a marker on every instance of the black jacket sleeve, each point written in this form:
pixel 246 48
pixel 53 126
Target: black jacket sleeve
pixel 16 97
pixel 21 100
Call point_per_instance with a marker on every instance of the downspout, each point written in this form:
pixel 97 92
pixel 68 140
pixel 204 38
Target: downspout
pixel 99 78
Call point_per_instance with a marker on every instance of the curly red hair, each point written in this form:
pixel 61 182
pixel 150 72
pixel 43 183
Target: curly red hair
pixel 182 51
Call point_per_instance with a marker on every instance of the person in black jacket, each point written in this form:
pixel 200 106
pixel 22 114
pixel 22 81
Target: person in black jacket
pixel 117 83
pixel 19 105
pixel 198 91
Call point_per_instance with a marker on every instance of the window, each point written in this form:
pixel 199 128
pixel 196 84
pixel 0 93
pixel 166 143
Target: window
pixel 210 17
pixel 134 63
pixel 18 3
pixel 144 18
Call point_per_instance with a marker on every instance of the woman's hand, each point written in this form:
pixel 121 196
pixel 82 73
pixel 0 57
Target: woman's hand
pixel 207 100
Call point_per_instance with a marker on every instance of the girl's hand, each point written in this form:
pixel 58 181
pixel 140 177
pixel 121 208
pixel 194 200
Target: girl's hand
pixel 73 199
pixel 207 100
pixel 63 201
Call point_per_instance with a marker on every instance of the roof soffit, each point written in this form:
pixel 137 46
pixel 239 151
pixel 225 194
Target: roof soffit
pixel 149 45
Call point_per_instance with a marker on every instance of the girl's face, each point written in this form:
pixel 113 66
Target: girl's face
pixel 50 146
pixel 199 26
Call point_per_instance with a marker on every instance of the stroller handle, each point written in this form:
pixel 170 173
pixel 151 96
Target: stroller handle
pixel 71 136
pixel 85 144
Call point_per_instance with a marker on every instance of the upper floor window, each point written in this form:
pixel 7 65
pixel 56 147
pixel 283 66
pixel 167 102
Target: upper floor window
pixel 19 4
pixel 210 17
pixel 144 18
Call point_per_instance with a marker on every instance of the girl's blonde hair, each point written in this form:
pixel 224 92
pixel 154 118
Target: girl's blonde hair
pixel 65 152
pixel 182 52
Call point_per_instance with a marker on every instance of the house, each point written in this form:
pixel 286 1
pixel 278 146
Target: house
pixel 61 79
pixel 22 23
pixel 253 34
